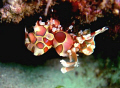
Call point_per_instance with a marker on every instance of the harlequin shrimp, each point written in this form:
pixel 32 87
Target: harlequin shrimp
pixel 50 34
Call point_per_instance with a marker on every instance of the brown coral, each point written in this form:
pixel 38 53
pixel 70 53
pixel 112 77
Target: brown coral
pixel 86 11
pixel 15 10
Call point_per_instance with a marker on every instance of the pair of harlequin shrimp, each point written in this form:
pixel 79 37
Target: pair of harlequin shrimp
pixel 50 34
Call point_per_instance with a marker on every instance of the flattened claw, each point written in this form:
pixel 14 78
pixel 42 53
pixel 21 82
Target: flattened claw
pixel 69 64
pixel 63 70
pixel 66 69
pixel 64 63
pixel 76 64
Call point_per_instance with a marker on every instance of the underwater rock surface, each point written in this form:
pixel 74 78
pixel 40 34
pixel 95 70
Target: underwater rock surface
pixel 90 74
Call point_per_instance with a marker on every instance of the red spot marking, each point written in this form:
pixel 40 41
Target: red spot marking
pixel 53 25
pixel 72 23
pixel 75 37
pixel 32 49
pixel 40 18
pixel 47 42
pixel 93 33
pixel 45 49
pixel 60 37
pixel 42 31
pixel 38 23
pixel 90 41
pixel 59 49
pixel 26 44
pixel 32 37
pixel 46 23
pixel 40 45
pixel 90 50
pixel 56 22
pixel 26 35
